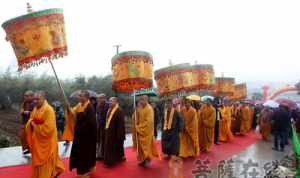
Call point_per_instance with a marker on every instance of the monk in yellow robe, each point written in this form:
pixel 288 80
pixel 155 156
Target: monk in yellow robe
pixel 207 119
pixel 245 113
pixel 225 131
pixel 143 132
pixel 251 114
pixel 189 143
pixel 42 139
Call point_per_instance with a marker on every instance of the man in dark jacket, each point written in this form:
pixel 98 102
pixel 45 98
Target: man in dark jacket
pixel 280 127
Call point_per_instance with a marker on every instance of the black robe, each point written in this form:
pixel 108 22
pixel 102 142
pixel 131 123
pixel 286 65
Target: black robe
pixel 170 138
pixel 83 152
pixel 114 139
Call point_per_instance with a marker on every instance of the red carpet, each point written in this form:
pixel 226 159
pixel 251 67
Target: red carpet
pixel 157 168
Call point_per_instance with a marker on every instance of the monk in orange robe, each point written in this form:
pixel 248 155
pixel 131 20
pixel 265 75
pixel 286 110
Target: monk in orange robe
pixel 42 139
pixel 189 143
pixel 68 134
pixel 207 119
pixel 245 113
pixel 251 114
pixel 225 131
pixel 143 132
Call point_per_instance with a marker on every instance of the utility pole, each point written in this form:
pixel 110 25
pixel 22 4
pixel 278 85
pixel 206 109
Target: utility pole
pixel 117 48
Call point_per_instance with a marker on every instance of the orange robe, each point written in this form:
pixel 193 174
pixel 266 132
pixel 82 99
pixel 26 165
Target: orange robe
pixel 265 126
pixel 189 142
pixel 251 114
pixel 245 113
pixel 144 130
pixel 225 131
pixel 68 134
pixel 207 120
pixel 42 140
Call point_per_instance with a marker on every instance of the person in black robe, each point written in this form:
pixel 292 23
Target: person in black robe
pixel 156 117
pixel 114 134
pixel 83 152
pixel 102 109
pixel 172 123
pixel 217 105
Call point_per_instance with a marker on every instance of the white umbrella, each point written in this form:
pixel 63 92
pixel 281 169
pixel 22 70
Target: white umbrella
pixel 207 97
pixel 271 104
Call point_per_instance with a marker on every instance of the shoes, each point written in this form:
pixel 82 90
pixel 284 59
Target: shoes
pixel 276 149
pixel 144 163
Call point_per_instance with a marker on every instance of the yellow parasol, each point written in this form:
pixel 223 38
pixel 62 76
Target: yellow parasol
pixel 38 37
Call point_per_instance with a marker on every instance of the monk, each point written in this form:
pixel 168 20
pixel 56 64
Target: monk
pixel 68 134
pixel 83 152
pixel 102 109
pixel 245 116
pixel 236 119
pixel 225 131
pixel 42 139
pixel 264 121
pixel 251 116
pixel 114 134
pixel 207 119
pixel 26 109
pixel 189 143
pixel 172 124
pixel 143 132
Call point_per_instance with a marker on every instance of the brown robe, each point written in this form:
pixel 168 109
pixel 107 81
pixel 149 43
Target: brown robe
pixel 114 138
pixel 83 153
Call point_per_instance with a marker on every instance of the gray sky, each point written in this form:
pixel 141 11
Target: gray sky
pixel 257 40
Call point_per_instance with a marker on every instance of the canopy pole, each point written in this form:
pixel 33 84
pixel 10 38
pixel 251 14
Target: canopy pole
pixel 59 83
pixel 135 122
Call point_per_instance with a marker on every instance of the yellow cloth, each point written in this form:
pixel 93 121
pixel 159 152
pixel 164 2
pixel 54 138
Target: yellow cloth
pixel 42 140
pixel 144 126
pixel 225 131
pixel 110 114
pixel 70 117
pixel 245 113
pixel 168 120
pixel 189 143
pixel 207 120
pixel 68 134
pixel 250 119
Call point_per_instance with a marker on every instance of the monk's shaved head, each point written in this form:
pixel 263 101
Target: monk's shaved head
pixel 29 93
pixel 40 93
pixel 40 97
pixel 113 101
pixel 143 100
pixel 28 96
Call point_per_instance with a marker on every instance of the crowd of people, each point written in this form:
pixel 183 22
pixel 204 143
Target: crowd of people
pixel 277 122
pixel 96 128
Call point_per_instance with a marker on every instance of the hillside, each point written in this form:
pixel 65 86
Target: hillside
pixel 10 124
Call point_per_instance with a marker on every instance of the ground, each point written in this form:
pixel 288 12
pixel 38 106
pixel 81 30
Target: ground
pixel 10 124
